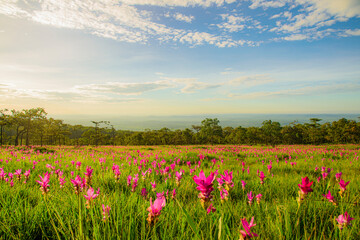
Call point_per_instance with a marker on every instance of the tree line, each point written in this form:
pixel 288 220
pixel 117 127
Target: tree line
pixel 33 127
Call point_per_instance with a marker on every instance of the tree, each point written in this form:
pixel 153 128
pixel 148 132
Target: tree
pixel 238 136
pixel 188 135
pixel 97 130
pixel 253 135
pixel 211 132
pixel 30 115
pixel 271 132
pixel 293 133
pixel 4 120
pixel 314 131
pixel 17 120
pixel 227 132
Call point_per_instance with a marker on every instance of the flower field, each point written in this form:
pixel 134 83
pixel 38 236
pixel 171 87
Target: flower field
pixel 180 192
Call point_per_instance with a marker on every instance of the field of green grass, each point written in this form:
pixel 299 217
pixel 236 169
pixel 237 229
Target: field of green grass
pixel 57 212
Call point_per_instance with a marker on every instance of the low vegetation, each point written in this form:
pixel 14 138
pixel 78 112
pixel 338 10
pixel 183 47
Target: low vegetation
pixel 180 192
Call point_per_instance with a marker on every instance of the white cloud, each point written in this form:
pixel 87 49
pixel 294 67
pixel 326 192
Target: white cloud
pixel 252 80
pixel 311 90
pixel 315 14
pixel 296 37
pixel 27 68
pixel 107 92
pixel 234 23
pixel 178 3
pixel 127 21
pixel 124 88
pixel 351 32
pixel 268 4
pixel 343 8
pixel 192 85
pixel 184 18
pixel 121 21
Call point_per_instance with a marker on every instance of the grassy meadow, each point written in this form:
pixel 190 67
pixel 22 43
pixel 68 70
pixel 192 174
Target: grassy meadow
pixel 28 212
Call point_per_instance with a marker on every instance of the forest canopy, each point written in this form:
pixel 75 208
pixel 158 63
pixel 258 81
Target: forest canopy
pixel 33 127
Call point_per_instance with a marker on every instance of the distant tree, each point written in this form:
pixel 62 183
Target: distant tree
pixel 30 115
pixel 271 132
pixel 211 132
pixel 293 133
pixel 17 121
pixel 253 135
pixel 343 131
pixel 97 130
pixel 4 120
pixel 238 136
pixel 188 135
pixel 314 132
pixel 196 128
pixel 227 131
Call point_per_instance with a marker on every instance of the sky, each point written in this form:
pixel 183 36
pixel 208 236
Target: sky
pixel 180 57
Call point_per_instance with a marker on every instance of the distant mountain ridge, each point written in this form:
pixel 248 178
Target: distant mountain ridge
pixel 140 123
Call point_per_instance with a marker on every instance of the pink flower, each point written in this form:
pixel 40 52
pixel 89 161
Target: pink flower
pixel 305 186
pixel 227 179
pixel 178 177
pixel 155 209
pixel 338 176
pixel 344 220
pixel 144 192
pixel 342 185
pixel 210 209
pixel 250 197
pixel 224 194
pixel 18 174
pixel 160 195
pixel 173 194
pixel 117 174
pixel 330 198
pixel 106 211
pixel 62 181
pixel 258 198
pixel 91 194
pixel 88 175
pixel 78 165
pixel 44 183
pixel 243 183
pixel 262 177
pixel 324 175
pixel 135 182
pixel 247 227
pixel 2 174
pixel 205 184
pixel 153 186
pixel 220 183
pixel 27 175
pixel 129 180
pixel 78 183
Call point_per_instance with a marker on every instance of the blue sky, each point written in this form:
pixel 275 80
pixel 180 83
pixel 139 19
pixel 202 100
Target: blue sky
pixel 180 57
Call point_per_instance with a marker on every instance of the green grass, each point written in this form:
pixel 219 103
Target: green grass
pixel 26 214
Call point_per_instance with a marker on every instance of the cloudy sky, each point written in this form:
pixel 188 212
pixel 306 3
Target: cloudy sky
pixel 169 57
